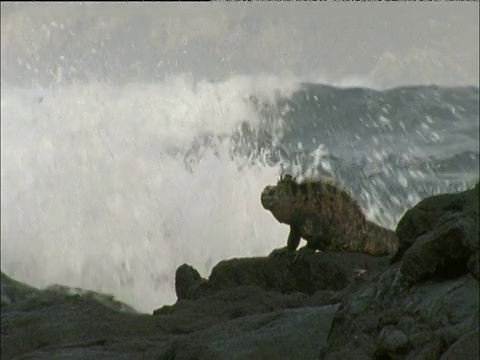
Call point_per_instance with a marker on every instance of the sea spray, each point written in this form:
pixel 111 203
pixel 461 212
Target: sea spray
pixel 96 192
pixel 110 188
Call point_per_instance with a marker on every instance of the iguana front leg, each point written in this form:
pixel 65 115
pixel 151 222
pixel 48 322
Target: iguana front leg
pixel 293 238
pixel 292 243
pixel 314 243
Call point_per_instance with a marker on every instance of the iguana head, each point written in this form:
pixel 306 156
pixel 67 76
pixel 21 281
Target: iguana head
pixel 278 199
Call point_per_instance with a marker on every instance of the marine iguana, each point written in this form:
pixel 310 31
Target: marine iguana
pixel 326 216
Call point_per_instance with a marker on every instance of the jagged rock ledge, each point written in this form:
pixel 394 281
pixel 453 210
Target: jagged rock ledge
pixel 421 304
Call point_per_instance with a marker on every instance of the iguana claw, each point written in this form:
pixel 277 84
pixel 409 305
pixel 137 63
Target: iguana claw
pixel 302 252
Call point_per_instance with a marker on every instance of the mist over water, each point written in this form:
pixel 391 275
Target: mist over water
pixel 96 193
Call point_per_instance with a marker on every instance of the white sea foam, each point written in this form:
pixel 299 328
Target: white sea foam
pixel 95 192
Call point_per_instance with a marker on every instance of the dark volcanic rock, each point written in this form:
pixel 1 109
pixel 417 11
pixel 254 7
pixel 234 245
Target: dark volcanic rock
pixel 440 236
pixel 467 347
pixel 329 271
pixel 444 252
pixel 239 322
pixel 188 282
pixel 319 271
pixel 283 334
pixel 58 321
pixel 330 305
pixel 426 306
pixel 388 319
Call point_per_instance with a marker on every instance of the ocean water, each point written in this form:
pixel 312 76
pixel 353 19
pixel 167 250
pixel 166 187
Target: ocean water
pixel 112 187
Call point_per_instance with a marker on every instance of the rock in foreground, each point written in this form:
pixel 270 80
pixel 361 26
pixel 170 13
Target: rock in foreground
pixel 426 305
pixel 329 305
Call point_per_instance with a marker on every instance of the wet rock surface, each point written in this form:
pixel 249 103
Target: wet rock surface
pixel 440 235
pixel 426 305
pixel 422 305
